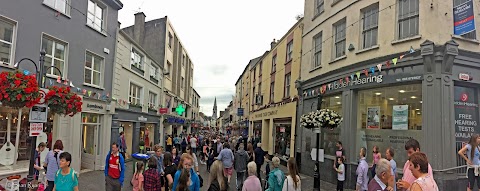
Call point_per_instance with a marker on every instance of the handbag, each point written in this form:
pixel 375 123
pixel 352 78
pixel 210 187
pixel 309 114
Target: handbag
pixel 201 180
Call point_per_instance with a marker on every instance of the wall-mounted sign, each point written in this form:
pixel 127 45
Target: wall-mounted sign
pixel 36 129
pixel 463 18
pixel 358 81
pixel 180 109
pixel 466 113
pixel 38 113
pixel 464 77
pixel 88 106
pixel 400 117
pixel 163 110
pixel 266 114
pixel 143 119
pixel 240 112
pixel 175 120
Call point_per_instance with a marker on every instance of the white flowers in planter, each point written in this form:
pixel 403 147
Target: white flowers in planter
pixel 324 118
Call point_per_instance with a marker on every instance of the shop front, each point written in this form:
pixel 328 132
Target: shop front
pixel 419 97
pixel 273 126
pixel 137 127
pixel 174 125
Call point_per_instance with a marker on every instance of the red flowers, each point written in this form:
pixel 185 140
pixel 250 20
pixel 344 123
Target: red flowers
pixel 63 102
pixel 15 88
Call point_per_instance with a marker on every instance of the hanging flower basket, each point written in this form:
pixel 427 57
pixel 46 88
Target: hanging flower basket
pixel 324 118
pixel 18 90
pixel 63 102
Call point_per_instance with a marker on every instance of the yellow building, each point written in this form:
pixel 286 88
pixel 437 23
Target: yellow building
pixel 273 95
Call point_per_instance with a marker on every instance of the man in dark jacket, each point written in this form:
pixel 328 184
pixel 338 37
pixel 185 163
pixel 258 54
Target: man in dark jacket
pixel 259 158
pixel 241 158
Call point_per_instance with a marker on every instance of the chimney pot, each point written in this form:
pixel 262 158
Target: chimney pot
pixel 273 44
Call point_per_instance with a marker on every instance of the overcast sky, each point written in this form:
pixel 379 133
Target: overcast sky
pixel 221 36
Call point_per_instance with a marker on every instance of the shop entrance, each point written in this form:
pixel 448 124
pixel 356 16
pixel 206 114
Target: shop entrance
pixel 91 158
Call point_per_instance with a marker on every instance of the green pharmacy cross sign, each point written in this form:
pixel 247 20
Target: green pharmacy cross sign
pixel 180 109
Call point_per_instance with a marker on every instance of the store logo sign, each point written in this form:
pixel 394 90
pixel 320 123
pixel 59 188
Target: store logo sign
pixel 464 97
pixel 464 101
pixel 141 118
pixel 94 106
pixel 359 81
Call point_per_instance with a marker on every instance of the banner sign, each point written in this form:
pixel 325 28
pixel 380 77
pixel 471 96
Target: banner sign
pixel 240 112
pixel 400 117
pixel 463 18
pixel 466 113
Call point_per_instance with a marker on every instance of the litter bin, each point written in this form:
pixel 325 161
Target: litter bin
pixel 139 157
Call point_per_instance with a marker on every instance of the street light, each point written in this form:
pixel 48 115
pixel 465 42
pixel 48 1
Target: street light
pixel 316 174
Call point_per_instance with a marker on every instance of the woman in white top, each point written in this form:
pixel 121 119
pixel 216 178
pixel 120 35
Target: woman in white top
pixel 292 182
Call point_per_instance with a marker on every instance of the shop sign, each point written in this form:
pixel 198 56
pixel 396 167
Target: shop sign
pixel 175 120
pixel 143 119
pixel 463 18
pixel 466 113
pixel 400 117
pixel 359 81
pixel 36 129
pixel 38 113
pixel 89 106
pixel 410 78
pixel 163 110
pixel 240 112
pixel 266 114
pixel 464 77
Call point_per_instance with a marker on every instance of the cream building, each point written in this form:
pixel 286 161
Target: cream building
pixel 371 59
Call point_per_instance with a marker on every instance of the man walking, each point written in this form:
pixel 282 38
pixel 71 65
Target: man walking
pixel 122 144
pixel 227 158
pixel 114 169
pixel 241 158
pixel 259 158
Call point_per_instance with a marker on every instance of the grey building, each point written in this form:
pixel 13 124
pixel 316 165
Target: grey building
pixel 79 38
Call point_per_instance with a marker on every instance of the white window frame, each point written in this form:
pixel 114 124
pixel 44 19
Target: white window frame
pixel 169 68
pixel 170 39
pixel 288 79
pixel 133 56
pixel 182 84
pixel 152 101
pixel 12 44
pixel 319 6
pixel 94 56
pixel 92 23
pixel 272 92
pixel 274 63
pixel 51 55
pixel 412 19
pixel 53 4
pixel 317 54
pixel 340 38
pixel 154 71
pixel 289 51
pixel 137 100
pixel 369 16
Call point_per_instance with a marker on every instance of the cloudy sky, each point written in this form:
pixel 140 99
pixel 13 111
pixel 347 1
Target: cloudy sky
pixel 221 36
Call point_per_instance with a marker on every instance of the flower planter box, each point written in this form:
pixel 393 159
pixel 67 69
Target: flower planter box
pixel 153 79
pixel 138 70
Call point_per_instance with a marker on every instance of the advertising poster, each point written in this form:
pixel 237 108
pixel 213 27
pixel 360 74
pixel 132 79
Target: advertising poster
pixel 463 18
pixel 400 117
pixel 466 113
pixel 373 117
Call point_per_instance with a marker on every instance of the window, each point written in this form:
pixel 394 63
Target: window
pixel 287 85
pixel 407 18
pixel 135 94
pixel 170 39
pixel 340 37
pixel 7 31
pixel 152 100
pixel 95 17
pixel 370 26
pixel 289 51
pixel 319 6
pixel 254 73
pixel 136 59
pixel 260 69
pixel 154 71
pixel 56 52
pixel 169 66
pixel 260 88
pixel 471 34
pixel 317 56
pixel 93 69
pixel 183 60
pixel 272 93
pixel 274 63
pixel 183 83
pixel 254 96
pixel 59 5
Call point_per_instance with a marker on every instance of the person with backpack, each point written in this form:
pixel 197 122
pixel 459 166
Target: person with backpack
pixel 66 178
pixel 114 169
pixel 137 179
pixel 51 164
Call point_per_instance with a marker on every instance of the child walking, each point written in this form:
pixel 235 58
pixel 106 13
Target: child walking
pixel 340 173
pixel 137 179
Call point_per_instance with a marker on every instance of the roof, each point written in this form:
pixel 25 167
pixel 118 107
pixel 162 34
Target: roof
pixel 246 67
pixel 196 92
pixel 256 60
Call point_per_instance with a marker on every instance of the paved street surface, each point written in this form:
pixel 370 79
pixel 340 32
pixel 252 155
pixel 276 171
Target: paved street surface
pixel 95 180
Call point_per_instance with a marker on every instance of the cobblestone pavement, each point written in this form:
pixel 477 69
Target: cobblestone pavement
pixel 95 180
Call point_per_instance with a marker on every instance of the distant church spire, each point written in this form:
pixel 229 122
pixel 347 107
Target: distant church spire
pixel 214 115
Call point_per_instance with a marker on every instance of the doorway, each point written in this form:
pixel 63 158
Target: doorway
pixel 91 158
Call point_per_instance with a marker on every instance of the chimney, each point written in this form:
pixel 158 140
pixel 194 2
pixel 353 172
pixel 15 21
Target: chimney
pixel 139 27
pixel 273 44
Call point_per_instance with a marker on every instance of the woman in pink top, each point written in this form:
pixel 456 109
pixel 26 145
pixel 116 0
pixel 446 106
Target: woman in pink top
pixel 376 157
pixel 252 183
pixel 419 167
pixel 411 146
pixel 137 179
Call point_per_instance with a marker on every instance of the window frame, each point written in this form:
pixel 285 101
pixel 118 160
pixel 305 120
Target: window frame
pixel 401 18
pixel 317 52
pixel 319 7
pixel 286 88
pixel 170 39
pixel 52 57
pixel 155 69
pixel 340 41
pixel 12 44
pixel 102 69
pixel 272 92
pixel 103 20
pixel 289 51
pixel 155 102
pixel 274 63
pixel 369 11
pixel 182 85
pixel 65 12
pixel 132 60
pixel 139 89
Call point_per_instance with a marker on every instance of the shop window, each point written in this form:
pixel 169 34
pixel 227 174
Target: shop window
pixel 388 117
pixel 329 138
pixel 283 131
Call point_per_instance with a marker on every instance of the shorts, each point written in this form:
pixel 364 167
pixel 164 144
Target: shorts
pixel 228 171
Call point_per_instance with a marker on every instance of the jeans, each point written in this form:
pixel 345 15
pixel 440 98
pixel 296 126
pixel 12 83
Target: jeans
pixel 112 184
pixel 240 180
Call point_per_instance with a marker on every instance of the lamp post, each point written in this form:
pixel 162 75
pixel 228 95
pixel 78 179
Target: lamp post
pixel 316 174
pixel 39 73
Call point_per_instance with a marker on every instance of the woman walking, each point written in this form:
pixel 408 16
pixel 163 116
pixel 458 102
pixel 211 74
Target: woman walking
pixel 184 181
pixel 251 154
pixel 472 149
pixel 137 179
pixel 170 169
pixel 419 167
pixel 218 182
pixel 52 163
pixel 152 177
pixel 175 156
pixel 65 178
pixel 292 182
pixel 276 176
pixel 252 183
pixel 376 157
pixel 186 163
pixel 189 151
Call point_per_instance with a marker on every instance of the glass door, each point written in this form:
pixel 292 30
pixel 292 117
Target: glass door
pixel 90 141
